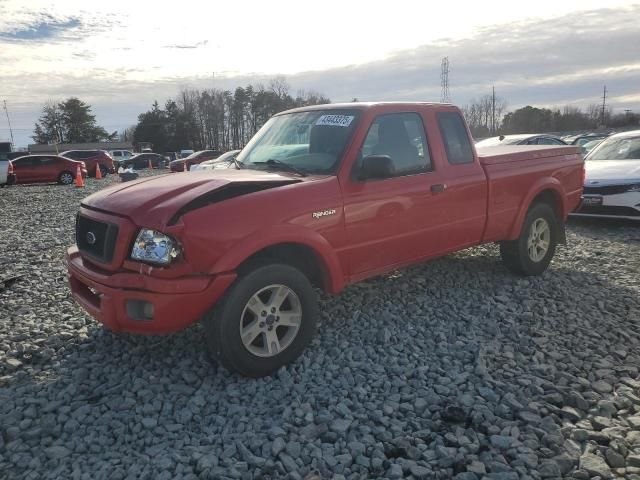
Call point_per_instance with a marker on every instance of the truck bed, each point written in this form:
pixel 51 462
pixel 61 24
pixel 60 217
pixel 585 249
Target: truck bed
pixel 514 170
pixel 516 153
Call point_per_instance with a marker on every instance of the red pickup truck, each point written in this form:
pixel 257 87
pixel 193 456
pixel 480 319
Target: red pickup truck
pixel 322 197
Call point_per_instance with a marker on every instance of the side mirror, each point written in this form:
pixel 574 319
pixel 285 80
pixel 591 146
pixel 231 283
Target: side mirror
pixel 377 167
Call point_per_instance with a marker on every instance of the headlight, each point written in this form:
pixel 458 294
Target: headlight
pixel 634 188
pixel 154 247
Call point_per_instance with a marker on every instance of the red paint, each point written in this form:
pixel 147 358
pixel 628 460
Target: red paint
pixel 377 227
pixel 44 168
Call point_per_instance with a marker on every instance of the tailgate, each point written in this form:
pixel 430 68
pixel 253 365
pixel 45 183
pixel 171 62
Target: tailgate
pixel 518 153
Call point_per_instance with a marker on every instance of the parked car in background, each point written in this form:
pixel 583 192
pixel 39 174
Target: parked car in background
pixel 47 169
pixel 522 139
pixel 119 156
pixel 185 153
pixel 225 160
pixel 612 178
pixel 141 160
pixel 7 173
pixel 354 198
pixel 193 159
pixel 585 138
pixel 587 147
pixel 92 158
pixel 171 156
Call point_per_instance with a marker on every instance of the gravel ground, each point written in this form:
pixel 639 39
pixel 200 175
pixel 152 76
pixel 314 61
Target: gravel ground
pixel 451 369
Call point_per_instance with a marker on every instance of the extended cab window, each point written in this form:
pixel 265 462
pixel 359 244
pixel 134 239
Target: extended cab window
pixel 401 137
pixel 456 140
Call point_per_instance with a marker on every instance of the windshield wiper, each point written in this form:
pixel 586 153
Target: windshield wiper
pixel 238 164
pixel 279 163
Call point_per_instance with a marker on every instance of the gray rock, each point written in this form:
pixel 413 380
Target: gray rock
pixel 502 441
pixel 601 386
pixel 277 446
pixel 595 465
pixel 549 469
pixel 614 459
pixel 340 425
pixel 419 472
pixel 57 452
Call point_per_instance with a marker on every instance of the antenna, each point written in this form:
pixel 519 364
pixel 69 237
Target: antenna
pixel 9 122
pixel 444 80
pixel 604 104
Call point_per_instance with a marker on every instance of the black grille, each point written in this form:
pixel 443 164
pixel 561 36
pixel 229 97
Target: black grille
pixel 606 190
pixel 603 210
pixel 105 235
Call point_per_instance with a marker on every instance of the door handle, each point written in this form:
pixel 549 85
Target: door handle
pixel 438 188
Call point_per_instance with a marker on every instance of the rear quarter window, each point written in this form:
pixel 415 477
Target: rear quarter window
pixel 455 138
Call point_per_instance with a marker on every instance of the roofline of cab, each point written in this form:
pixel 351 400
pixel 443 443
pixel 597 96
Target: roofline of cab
pixel 359 106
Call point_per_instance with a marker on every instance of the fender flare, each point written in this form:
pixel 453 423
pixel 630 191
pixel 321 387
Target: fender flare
pixel 279 234
pixel 547 183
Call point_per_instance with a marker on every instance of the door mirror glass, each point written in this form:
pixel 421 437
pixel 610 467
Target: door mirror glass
pixel 377 167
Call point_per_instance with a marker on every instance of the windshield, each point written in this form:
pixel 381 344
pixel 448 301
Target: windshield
pixel 624 148
pixel 311 142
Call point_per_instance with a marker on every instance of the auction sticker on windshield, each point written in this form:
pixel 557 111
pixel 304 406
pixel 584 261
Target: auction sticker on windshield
pixel 335 120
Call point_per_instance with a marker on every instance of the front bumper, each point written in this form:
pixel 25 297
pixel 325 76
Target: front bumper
pixel 12 179
pixel 622 205
pixel 176 303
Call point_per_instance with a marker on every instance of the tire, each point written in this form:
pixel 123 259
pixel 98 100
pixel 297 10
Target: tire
pixel 66 178
pixel 103 170
pixel 531 253
pixel 254 291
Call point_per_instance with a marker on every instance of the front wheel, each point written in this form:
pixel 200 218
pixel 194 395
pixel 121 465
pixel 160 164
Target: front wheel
pixel 103 170
pixel 532 252
pixel 265 321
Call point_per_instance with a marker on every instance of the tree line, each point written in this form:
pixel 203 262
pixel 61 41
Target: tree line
pixel 225 120
pixel 488 116
pixel 217 119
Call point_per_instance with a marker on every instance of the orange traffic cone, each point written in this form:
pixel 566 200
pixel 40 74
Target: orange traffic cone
pixel 150 165
pixel 79 179
pixel 98 173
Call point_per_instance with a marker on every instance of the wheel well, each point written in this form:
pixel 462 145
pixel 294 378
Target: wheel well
pixel 551 198
pixel 299 256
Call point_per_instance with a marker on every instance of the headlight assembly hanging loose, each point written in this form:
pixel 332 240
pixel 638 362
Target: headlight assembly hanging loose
pixel 154 247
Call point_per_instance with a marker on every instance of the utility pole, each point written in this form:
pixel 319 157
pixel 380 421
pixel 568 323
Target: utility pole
pixel 493 109
pixel 9 122
pixel 444 80
pixel 604 104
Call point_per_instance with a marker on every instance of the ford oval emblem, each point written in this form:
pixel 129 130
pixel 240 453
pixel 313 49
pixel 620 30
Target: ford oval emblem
pixel 91 238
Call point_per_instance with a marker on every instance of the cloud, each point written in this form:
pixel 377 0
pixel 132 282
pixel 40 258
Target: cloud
pixel 193 45
pixel 40 28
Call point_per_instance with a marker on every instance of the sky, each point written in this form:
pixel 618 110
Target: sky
pixel 119 56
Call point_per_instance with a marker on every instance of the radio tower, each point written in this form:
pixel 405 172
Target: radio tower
pixel 444 80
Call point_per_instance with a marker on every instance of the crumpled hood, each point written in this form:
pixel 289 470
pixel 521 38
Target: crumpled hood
pixel 153 201
pixel 612 172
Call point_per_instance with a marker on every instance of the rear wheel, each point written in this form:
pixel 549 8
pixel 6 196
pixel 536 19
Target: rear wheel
pixel 265 321
pixel 532 252
pixel 66 178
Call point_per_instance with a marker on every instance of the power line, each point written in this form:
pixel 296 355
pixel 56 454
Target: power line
pixel 444 80
pixel 604 104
